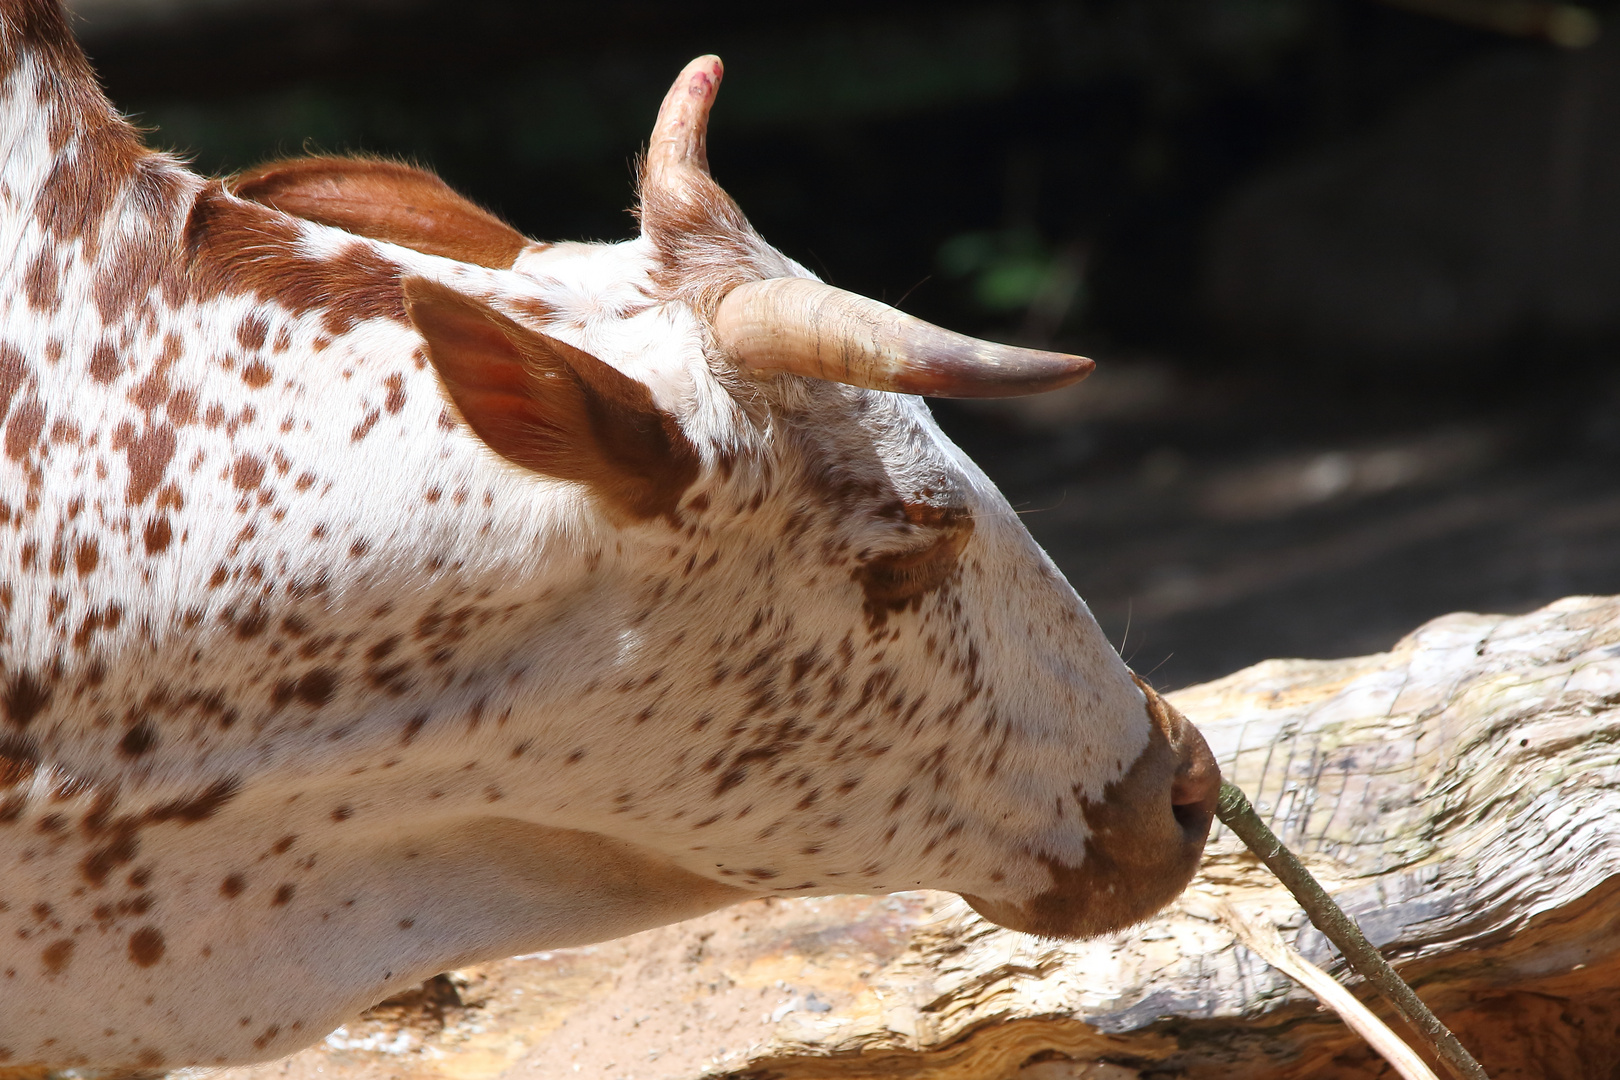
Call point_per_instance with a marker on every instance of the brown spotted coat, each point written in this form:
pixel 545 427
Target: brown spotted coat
pixel 380 592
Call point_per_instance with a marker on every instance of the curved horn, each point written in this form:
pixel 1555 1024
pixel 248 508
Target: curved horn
pixel 679 144
pixel 809 328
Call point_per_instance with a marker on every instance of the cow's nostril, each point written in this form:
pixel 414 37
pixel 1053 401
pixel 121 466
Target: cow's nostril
pixel 1197 779
pixel 1196 786
pixel 1197 783
pixel 1194 818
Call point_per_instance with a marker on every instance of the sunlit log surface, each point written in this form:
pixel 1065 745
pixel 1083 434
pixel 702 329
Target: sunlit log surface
pixel 1459 794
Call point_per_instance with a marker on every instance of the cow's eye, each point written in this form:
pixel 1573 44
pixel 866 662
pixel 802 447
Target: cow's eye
pixel 894 581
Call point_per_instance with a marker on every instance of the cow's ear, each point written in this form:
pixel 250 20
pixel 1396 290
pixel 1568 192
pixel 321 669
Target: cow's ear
pixel 547 406
pixel 384 200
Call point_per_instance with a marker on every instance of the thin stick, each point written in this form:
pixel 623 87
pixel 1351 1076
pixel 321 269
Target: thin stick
pixel 1265 941
pixel 1235 812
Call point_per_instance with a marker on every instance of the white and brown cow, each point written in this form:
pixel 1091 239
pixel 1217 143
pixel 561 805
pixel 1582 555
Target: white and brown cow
pixel 381 592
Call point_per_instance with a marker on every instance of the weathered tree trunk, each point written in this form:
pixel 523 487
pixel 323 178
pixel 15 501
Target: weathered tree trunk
pixel 1459 794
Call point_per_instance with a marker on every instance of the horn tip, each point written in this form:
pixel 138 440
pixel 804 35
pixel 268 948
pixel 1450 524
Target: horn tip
pixel 1037 373
pixel 1078 368
pixel 1066 371
pixel 701 77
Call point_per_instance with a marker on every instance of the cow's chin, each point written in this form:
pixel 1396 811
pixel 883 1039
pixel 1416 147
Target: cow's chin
pixel 1084 903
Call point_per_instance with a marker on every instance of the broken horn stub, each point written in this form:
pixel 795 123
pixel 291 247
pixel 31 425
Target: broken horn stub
pixel 679 143
pixel 812 329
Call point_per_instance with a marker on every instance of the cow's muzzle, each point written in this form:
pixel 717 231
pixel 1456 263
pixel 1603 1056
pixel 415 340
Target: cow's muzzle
pixel 1147 836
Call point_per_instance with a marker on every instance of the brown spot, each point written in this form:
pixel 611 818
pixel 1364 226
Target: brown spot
pixel 22 429
pixel 183 406
pixel 101 862
pixel 247 471
pixel 13 370
pixel 150 1058
pixel 282 846
pixel 251 332
pixel 267 1036
pixel 146 946
pixel 363 428
pixel 149 457
pixel 284 894
pixel 87 629
pixel 19 760
pixel 315 688
pixel 56 955
pixel 157 536
pixel 412 727
pixel 199 807
pixel 86 556
pixel 40 283
pixel 232 886
pixel 105 363
pixel 396 393
pixel 342 813
pixel 138 740
pixel 25 697
pixel 257 374
pixel 151 391
pixel 252 624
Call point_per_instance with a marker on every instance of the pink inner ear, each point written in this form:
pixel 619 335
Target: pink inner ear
pixel 493 381
pixel 552 408
pixel 470 350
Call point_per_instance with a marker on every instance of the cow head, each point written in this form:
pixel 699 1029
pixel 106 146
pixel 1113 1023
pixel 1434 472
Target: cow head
pixel 825 655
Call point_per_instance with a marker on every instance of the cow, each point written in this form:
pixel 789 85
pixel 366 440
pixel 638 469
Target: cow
pixel 382 591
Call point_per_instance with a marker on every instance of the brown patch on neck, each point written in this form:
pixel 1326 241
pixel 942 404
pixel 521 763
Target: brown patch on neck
pixel 234 246
pixel 384 200
pixel 897 581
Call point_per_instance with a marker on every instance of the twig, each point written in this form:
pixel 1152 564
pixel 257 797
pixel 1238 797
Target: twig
pixel 1235 812
pixel 1265 941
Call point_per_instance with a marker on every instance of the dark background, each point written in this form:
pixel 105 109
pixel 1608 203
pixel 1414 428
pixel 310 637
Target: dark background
pixel 1351 270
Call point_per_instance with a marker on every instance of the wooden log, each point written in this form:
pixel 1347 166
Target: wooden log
pixel 1459 794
